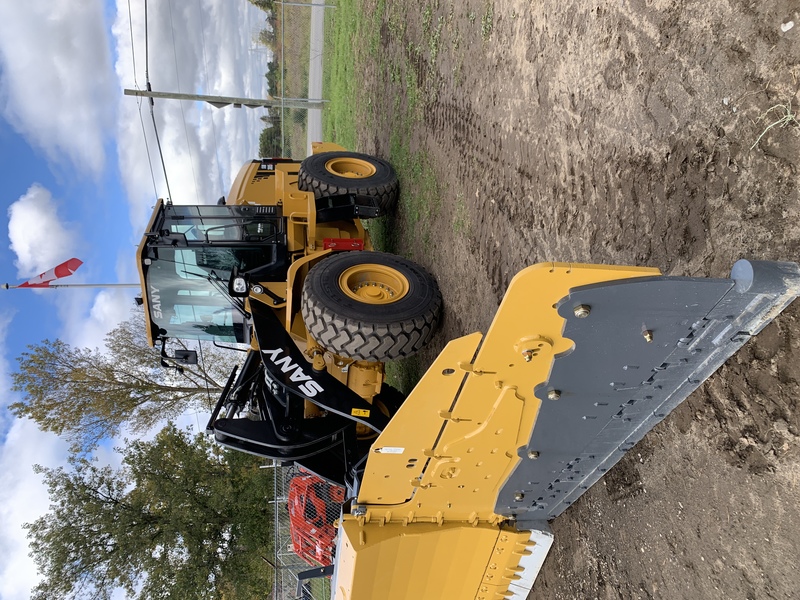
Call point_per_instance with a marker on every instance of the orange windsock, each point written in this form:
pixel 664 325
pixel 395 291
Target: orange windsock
pixel 65 269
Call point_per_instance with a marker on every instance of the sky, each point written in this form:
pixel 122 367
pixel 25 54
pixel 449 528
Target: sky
pixel 81 172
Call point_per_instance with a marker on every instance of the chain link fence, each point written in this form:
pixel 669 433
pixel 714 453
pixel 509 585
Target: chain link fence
pixel 294 35
pixel 304 511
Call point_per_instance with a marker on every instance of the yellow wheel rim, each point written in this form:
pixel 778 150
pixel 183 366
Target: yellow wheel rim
pixel 373 284
pixel 350 167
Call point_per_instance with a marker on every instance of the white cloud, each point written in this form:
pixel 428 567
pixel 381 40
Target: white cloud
pixel 200 46
pixel 23 499
pixel 39 238
pixel 108 309
pixel 56 79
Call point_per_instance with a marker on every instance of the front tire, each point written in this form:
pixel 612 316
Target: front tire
pixel 335 173
pixel 371 305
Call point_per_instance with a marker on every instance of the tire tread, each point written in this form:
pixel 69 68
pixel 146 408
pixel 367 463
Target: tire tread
pixel 362 340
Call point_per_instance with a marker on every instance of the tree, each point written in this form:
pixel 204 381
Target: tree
pixel 87 394
pixel 269 142
pixel 275 75
pixel 267 37
pixel 265 5
pixel 180 519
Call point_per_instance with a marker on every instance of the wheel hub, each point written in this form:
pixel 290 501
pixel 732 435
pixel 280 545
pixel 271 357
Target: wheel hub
pixel 350 167
pixel 373 284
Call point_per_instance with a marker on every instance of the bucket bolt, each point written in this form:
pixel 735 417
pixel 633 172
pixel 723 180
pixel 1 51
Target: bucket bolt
pixel 582 311
pixel 519 496
pixel 554 394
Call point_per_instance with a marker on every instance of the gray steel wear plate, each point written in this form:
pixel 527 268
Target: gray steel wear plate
pixel 644 346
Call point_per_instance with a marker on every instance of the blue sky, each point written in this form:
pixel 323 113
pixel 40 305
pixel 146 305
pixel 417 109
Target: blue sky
pixel 77 182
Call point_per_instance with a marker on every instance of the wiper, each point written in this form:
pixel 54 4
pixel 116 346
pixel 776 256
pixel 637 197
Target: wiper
pixel 222 287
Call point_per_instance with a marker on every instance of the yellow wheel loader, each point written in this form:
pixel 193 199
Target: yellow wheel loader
pixel 451 489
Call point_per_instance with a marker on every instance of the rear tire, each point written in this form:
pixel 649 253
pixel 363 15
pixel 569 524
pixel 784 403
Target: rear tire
pixel 371 305
pixel 336 173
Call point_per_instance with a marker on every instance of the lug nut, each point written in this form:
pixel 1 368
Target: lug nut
pixel 582 311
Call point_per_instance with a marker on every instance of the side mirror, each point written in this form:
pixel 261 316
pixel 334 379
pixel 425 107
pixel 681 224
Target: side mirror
pixel 186 357
pixel 182 357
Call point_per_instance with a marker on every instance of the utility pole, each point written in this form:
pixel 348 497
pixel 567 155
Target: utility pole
pixel 220 101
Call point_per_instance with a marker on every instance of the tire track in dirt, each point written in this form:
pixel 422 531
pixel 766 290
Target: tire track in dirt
pixel 543 199
pixel 621 133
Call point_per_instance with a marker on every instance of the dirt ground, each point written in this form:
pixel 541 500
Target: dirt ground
pixel 621 132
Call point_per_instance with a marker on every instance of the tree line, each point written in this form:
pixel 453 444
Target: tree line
pixel 180 517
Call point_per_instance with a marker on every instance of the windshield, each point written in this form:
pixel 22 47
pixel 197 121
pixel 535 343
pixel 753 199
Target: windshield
pixel 184 301
pixel 189 259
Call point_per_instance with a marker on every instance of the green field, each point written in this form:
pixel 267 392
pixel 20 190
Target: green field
pixel 353 73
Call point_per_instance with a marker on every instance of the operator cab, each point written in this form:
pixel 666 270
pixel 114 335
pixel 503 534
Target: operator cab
pixel 187 258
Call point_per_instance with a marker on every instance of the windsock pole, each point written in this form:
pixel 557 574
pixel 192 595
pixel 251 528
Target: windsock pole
pixel 65 269
pixel 6 286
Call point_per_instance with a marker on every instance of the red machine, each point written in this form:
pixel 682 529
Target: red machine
pixel 314 504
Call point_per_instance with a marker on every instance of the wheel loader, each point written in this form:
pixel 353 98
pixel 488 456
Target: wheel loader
pixel 450 490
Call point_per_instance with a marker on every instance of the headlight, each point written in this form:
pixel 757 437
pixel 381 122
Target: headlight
pixel 239 285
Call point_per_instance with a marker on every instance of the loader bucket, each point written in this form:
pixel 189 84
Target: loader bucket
pixel 505 431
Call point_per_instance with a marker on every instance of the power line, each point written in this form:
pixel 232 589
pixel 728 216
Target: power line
pixel 183 114
pixel 146 46
pixel 217 101
pixel 205 66
pixel 133 49
pixel 147 149
pixel 158 143
pixel 149 88
pixel 138 102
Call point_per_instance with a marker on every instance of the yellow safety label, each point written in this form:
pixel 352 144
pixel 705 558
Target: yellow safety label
pixel 359 412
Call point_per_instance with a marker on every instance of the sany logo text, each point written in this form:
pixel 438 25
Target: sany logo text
pixel 155 302
pixel 306 385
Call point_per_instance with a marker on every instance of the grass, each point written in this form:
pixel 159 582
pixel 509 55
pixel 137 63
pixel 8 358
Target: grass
pixel 404 374
pixel 487 21
pixel 320 587
pixel 785 118
pixel 461 219
pixel 352 114
pixel 342 25
pixel 435 41
pixel 394 108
